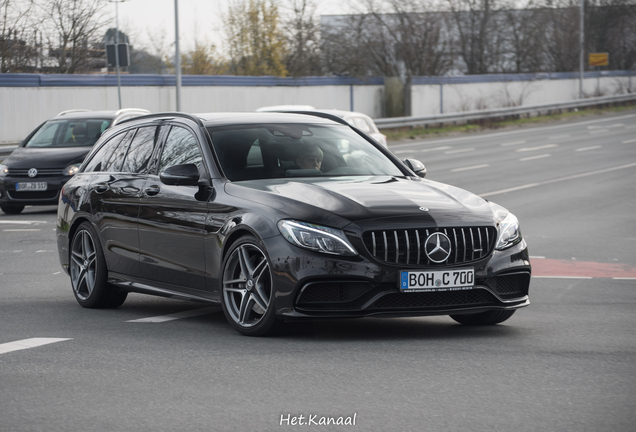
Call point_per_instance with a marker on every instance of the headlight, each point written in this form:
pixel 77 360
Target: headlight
pixel 315 237
pixel 509 233
pixel 4 170
pixel 72 169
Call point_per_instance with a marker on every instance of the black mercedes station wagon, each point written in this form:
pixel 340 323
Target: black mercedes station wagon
pixel 282 217
pixel 51 154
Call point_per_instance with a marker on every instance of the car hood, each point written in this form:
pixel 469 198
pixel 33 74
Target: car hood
pixel 56 157
pixel 339 201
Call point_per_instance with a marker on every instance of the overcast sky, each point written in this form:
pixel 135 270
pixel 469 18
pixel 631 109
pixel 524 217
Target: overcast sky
pixel 198 19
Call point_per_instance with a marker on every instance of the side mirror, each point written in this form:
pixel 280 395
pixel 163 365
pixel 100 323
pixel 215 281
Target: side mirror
pixel 180 175
pixel 416 166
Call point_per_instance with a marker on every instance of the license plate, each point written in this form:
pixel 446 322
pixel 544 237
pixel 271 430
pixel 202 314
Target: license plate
pixel 31 186
pixel 444 280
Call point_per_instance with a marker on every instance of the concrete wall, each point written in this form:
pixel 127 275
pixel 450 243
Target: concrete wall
pixel 474 96
pixel 26 100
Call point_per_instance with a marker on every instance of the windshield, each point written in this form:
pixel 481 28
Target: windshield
pixel 69 133
pixel 253 152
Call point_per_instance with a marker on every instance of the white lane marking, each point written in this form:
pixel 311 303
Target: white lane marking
pixel 459 151
pixel 559 137
pixel 541 147
pixel 21 222
pixel 537 257
pixel 512 143
pixel 588 148
pixel 470 168
pixel 607 126
pixel 598 131
pixel 57 273
pixel 423 150
pixel 28 343
pixel 178 315
pixel 535 157
pixel 572 177
pixel 562 277
pixel 21 230
pixel 517 131
pixel 629 141
pixel 43 251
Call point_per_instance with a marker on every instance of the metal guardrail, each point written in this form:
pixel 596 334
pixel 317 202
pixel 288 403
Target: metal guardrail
pixel 6 150
pixel 398 122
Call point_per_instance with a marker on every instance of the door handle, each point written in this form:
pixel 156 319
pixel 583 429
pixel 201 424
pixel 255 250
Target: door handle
pixel 101 187
pixel 152 190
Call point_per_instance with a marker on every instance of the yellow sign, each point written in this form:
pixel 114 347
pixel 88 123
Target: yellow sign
pixel 599 59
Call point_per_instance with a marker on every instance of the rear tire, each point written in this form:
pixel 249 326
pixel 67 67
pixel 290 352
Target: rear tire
pixel 484 318
pixel 11 209
pixel 89 272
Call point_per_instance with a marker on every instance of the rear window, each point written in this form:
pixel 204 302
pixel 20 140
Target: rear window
pixel 69 133
pixel 253 152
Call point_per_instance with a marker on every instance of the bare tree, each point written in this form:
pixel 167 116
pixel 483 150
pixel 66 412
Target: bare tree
pixel 395 38
pixel 18 42
pixel 479 43
pixel 525 37
pixel 302 35
pixel 611 28
pixel 561 26
pixel 73 31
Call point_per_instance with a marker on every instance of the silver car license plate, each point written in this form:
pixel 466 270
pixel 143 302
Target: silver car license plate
pixel 439 280
pixel 31 186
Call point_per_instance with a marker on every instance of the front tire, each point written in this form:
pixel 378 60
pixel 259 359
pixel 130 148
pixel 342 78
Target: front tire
pixel 11 209
pixel 89 272
pixel 247 290
pixel 484 318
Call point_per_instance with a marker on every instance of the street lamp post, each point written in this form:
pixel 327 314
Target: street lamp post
pixel 581 49
pixel 177 60
pixel 117 47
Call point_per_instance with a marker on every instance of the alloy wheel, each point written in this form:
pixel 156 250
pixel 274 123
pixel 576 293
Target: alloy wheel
pixel 247 285
pixel 83 264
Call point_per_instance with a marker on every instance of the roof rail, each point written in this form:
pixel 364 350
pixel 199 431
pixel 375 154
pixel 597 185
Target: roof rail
pixel 320 114
pixel 132 111
pixel 197 120
pixel 72 111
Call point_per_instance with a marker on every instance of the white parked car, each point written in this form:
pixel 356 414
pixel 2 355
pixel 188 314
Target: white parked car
pixel 356 119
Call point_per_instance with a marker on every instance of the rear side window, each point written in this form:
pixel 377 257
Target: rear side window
pixel 180 148
pixel 140 151
pixel 102 159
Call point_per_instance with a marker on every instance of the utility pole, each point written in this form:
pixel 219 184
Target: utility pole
pixel 581 49
pixel 177 53
pixel 117 47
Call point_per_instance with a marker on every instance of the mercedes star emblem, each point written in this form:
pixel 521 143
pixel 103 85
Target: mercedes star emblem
pixel 33 172
pixel 438 247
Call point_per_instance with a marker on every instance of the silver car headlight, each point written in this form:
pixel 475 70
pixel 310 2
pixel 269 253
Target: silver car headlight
pixel 4 170
pixel 316 237
pixel 509 233
pixel 72 169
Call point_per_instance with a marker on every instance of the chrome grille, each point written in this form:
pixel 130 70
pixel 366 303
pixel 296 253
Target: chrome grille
pixel 406 247
pixel 44 172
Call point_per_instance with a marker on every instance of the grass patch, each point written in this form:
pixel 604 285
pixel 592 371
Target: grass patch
pixel 485 125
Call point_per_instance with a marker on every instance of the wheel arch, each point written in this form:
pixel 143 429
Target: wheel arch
pixel 233 238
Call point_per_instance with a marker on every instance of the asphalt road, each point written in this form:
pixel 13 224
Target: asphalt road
pixel 565 363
